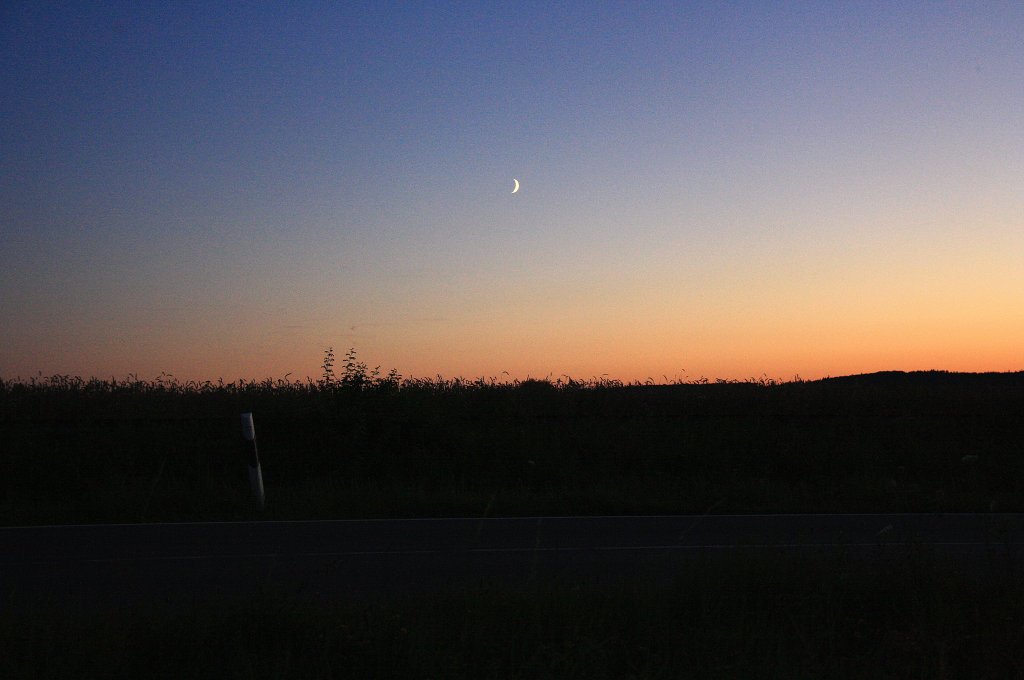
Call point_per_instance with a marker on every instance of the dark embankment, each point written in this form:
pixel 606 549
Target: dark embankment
pixel 364 446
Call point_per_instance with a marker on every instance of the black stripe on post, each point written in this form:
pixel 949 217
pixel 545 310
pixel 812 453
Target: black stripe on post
pixel 255 472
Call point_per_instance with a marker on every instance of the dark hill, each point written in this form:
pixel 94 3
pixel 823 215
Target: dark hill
pixel 926 378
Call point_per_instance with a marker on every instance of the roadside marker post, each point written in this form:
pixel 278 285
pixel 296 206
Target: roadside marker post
pixel 255 472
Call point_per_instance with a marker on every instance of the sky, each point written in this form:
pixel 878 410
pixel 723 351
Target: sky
pixel 721 190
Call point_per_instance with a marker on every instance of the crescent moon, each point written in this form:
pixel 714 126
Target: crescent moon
pixel 517 185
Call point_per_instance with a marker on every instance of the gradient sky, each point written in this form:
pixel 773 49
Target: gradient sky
pixel 708 189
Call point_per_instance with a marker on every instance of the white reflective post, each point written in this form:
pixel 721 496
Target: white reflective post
pixel 255 473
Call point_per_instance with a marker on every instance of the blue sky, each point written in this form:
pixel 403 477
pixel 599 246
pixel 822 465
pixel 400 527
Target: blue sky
pixel 226 189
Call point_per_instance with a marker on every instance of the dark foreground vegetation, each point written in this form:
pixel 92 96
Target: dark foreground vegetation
pixel 766 618
pixel 363 445
pixel 358 444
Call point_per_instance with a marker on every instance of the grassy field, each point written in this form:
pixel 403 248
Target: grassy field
pixel 360 444
pixel 365 445
pixel 767 618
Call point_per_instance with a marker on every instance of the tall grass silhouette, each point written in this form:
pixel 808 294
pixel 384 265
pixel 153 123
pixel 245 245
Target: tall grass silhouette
pixel 358 442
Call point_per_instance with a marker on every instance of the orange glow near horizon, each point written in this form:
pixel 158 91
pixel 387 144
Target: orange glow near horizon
pixel 662 353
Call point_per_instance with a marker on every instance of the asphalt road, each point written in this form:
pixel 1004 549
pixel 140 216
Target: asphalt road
pixel 125 563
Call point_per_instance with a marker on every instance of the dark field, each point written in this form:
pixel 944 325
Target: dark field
pixel 361 445
pixel 364 446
